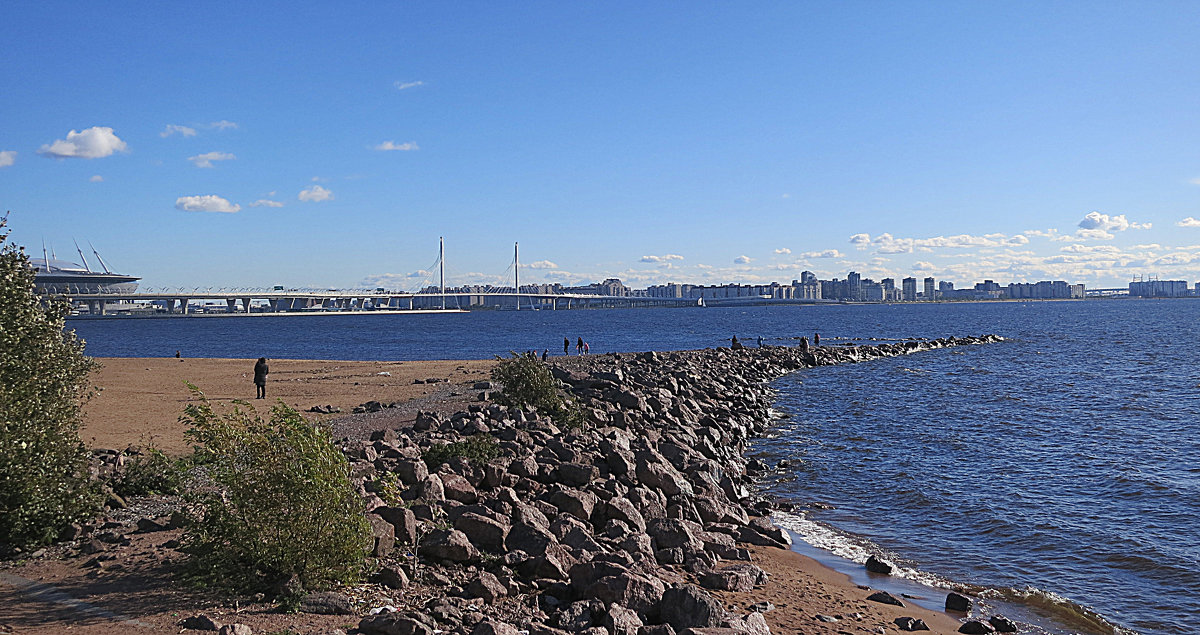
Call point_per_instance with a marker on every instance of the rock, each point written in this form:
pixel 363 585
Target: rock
pixel 825 618
pixel 883 597
pixel 384 535
pixel 958 602
pixel 740 578
pixel 577 474
pixel 450 545
pixel 1002 624
pixel 483 532
pixel 393 623
pixel 623 510
pixel 392 577
pixel 656 629
pixel 876 565
pixel 761 607
pixel 411 472
pixel 493 627
pixel 622 621
pixel 146 525
pixel 200 623
pixel 575 502
pixel 457 488
pixel 976 627
pixel 689 606
pixel 235 629
pixel 403 521
pixel 632 591
pixel 910 624
pixel 326 603
pixel 430 490
pixel 486 587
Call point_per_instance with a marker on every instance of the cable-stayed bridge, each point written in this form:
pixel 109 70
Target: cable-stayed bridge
pixel 279 301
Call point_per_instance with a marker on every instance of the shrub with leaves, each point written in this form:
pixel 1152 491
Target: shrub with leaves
pixel 43 379
pixel 526 381
pixel 278 504
pixel 150 472
pixel 477 448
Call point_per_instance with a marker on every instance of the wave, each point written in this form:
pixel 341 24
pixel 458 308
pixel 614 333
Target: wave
pixel 1030 602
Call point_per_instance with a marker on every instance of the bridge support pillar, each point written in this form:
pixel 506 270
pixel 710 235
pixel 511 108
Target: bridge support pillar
pixel 231 306
pixel 246 304
pixel 183 305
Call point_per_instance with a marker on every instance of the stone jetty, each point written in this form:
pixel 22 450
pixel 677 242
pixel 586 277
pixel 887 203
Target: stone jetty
pixel 620 525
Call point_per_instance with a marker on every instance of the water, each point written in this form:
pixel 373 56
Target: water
pixel 1059 466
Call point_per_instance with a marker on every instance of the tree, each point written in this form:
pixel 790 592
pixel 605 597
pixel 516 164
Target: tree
pixel 44 481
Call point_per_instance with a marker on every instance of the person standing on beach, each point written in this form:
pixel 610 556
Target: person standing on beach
pixel 586 348
pixel 579 346
pixel 566 346
pixel 260 377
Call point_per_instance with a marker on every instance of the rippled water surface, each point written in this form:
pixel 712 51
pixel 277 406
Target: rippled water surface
pixel 1062 462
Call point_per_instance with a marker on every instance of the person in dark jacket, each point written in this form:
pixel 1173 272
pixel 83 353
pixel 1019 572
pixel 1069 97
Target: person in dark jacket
pixel 566 346
pixel 260 377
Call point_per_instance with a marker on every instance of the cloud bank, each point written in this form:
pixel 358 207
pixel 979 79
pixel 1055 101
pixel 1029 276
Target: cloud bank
pixel 206 160
pixel 315 194
pixel 7 158
pixel 392 145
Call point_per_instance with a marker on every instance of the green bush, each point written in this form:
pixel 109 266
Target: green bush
pixel 477 448
pixel 152 472
pixel 277 504
pixel 43 378
pixel 526 381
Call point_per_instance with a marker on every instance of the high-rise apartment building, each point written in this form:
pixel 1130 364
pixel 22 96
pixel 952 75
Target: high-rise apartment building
pixel 910 289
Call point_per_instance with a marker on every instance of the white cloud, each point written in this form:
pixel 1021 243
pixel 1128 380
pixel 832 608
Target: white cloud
pixel 742 260
pixel 783 251
pixel 182 130
pixel 542 264
pixel 1096 220
pixel 263 202
pixel 828 253
pixel 1195 181
pixel 7 158
pixel 315 194
pixel 392 145
pixel 861 241
pixel 664 258
pixel 1187 222
pixel 205 160
pixel 96 178
pixel 206 203
pixel 406 85
pixel 93 143
pixel 223 125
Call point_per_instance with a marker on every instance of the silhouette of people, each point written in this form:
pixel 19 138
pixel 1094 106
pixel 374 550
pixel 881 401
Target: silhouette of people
pixel 816 339
pixel 176 354
pixel 579 346
pixel 760 341
pixel 545 354
pixel 586 348
pixel 804 343
pixel 260 377
pixel 735 344
pixel 566 346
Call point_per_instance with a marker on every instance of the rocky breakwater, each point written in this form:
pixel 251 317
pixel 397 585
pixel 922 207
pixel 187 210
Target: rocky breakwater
pixel 620 524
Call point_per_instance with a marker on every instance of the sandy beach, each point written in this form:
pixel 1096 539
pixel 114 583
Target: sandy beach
pixel 140 400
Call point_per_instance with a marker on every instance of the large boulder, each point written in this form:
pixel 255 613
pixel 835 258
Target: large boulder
pixel 484 532
pixel 689 606
pixel 452 545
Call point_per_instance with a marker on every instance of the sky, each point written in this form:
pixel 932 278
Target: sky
pixel 331 144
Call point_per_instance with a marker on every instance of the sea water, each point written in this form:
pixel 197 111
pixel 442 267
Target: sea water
pixel 1056 473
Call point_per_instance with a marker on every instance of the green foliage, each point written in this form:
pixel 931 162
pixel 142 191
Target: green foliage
pixel 43 379
pixel 477 448
pixel 527 382
pixel 390 489
pixel 152 472
pixel 279 504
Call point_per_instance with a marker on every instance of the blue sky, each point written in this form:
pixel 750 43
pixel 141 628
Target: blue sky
pixel 331 144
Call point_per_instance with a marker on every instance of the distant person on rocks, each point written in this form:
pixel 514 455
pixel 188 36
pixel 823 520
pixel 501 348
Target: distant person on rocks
pixel 260 377
pixel 176 354
pixel 586 349
pixel 545 354
pixel 804 343
pixel 816 339
pixel 735 344
pixel 760 341
pixel 566 346
pixel 579 346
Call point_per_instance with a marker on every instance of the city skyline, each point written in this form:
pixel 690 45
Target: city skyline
pixel 307 146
